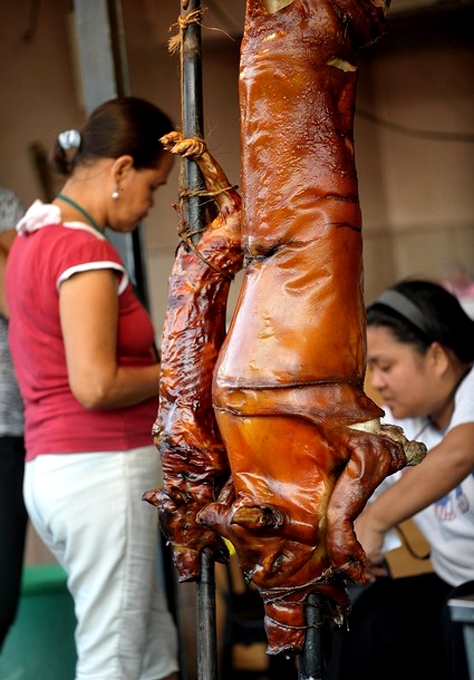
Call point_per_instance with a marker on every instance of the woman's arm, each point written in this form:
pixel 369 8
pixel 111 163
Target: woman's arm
pixel 88 307
pixel 3 298
pixel 445 466
pixel 6 239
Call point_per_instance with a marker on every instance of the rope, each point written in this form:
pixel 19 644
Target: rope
pixel 193 17
pixel 186 238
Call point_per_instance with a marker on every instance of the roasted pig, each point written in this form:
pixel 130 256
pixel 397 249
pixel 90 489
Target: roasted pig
pixel 195 464
pixel 304 443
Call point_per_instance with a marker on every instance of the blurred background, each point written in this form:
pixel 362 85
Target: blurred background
pixel 414 126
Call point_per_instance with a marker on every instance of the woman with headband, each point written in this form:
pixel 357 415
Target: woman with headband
pixel 83 350
pixel 420 357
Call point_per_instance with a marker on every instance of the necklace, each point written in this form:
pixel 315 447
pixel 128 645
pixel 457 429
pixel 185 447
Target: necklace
pixel 83 212
pixel 94 224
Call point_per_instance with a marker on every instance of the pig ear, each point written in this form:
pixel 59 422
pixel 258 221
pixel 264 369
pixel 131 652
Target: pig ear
pixel 255 518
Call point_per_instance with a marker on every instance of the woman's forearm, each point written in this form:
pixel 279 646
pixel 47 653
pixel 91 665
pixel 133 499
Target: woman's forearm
pixel 445 466
pixel 124 387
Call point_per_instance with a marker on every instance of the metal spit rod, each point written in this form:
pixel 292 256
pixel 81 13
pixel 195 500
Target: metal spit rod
pixel 311 660
pixel 311 666
pixel 191 182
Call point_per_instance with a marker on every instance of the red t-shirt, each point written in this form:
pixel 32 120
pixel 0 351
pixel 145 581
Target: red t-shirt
pixel 55 422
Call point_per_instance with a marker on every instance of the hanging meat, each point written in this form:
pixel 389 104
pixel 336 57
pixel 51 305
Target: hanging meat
pixel 195 464
pixel 304 443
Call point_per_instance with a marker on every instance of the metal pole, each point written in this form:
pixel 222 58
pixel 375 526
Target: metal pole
pixel 206 620
pixel 191 180
pixel 311 660
pixel 192 108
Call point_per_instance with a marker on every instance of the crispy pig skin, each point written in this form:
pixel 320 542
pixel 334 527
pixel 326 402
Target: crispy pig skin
pixel 195 464
pixel 288 384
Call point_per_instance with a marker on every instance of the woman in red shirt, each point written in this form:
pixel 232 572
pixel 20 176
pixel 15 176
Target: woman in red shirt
pixel 83 349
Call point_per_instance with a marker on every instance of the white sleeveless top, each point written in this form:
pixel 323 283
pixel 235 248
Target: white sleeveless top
pixel 448 524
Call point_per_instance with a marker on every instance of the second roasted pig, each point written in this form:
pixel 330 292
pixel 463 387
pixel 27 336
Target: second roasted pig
pixel 194 460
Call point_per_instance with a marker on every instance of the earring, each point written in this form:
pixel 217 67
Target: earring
pixel 115 193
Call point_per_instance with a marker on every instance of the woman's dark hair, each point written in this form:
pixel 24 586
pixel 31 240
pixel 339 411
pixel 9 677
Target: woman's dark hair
pixel 118 127
pixel 442 318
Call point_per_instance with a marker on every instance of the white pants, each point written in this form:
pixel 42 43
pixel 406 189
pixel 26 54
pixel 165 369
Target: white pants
pixel 87 509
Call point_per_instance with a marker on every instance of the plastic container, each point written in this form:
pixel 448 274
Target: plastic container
pixel 40 644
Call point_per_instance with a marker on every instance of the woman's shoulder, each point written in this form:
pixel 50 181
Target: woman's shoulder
pixel 464 401
pixel 46 219
pixel 467 383
pixel 60 249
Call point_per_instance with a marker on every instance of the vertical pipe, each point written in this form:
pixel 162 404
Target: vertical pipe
pixel 191 110
pixel 311 660
pixel 206 620
pixel 191 181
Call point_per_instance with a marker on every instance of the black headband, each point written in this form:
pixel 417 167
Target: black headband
pixel 405 307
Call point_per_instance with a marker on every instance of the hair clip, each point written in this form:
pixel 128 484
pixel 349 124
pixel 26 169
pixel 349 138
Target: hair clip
pixel 69 139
